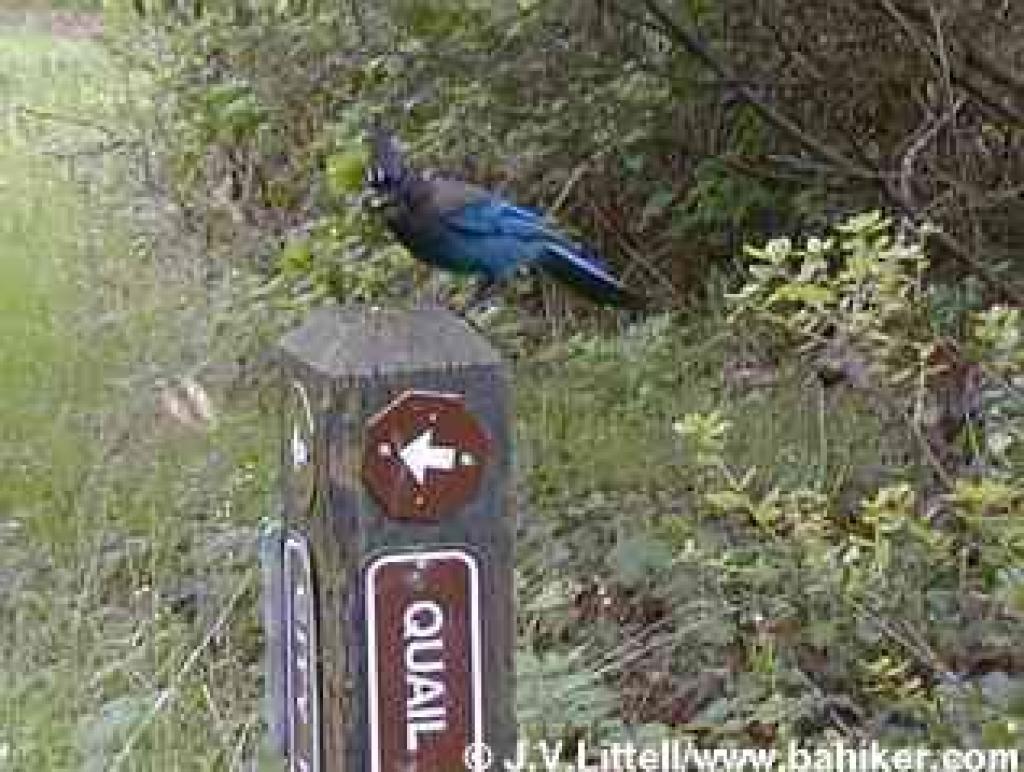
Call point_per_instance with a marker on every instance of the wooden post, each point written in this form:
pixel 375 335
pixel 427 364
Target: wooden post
pixel 397 547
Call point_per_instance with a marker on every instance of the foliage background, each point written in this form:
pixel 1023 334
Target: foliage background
pixel 798 516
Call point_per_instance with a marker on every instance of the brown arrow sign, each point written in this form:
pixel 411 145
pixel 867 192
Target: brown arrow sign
pixel 424 455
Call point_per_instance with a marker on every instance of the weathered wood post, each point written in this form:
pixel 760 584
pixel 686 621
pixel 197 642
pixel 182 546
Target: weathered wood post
pixel 395 561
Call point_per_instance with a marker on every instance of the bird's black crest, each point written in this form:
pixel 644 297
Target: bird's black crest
pixel 386 168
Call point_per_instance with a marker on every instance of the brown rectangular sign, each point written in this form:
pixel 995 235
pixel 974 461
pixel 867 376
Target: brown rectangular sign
pixel 423 659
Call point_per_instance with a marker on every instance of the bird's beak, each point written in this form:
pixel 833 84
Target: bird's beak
pixel 373 200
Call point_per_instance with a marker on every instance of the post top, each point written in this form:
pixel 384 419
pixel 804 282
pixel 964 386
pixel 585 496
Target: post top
pixel 363 343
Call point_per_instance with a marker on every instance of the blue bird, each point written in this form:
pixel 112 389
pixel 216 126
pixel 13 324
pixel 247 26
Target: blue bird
pixel 464 229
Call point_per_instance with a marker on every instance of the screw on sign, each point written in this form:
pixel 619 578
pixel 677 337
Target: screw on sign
pixel 424 455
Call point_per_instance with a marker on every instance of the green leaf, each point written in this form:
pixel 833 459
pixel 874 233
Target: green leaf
pixel 730 501
pixel 657 204
pixel 345 171
pixel 808 294
pixel 637 558
pixel 296 258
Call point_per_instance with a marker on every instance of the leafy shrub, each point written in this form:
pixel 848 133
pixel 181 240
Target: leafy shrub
pixel 669 133
pixel 743 606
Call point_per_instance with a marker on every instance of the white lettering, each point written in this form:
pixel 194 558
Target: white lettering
pixel 416 627
pixel 550 754
pixel 414 728
pixel 425 710
pixel 421 714
pixel 423 665
pixel 423 690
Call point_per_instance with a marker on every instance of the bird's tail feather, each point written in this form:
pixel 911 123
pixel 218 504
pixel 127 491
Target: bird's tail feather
pixel 586 273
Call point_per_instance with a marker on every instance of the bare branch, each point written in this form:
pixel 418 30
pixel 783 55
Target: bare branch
pixel 926 136
pixel 72 120
pixel 691 41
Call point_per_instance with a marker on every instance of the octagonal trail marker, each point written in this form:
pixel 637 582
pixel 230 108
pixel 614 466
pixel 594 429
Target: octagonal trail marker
pixel 424 455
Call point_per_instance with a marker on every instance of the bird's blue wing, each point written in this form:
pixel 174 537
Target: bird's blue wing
pixel 499 217
pixel 539 243
pixel 471 209
pixel 494 217
pixel 477 232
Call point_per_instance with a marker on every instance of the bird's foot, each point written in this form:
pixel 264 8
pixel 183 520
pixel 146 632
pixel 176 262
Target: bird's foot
pixel 484 292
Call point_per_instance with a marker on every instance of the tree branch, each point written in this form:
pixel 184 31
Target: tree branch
pixel 691 41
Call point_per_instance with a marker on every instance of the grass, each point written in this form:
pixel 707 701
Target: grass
pixel 601 413
pixel 40 228
pixel 125 538
pixel 41 387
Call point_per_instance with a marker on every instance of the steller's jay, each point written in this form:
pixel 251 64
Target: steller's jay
pixel 465 229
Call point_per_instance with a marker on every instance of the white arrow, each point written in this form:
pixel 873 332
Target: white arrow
pixel 420 455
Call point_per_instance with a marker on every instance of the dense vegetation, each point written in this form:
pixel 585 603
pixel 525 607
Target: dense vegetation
pixel 800 515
